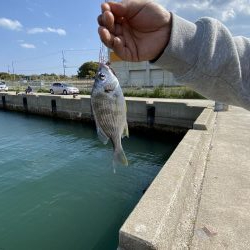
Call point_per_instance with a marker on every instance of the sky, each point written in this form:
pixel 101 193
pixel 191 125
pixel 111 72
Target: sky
pixel 39 36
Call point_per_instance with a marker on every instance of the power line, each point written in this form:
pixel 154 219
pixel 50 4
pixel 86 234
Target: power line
pixel 66 54
pixel 68 50
pixel 37 57
pixel 54 67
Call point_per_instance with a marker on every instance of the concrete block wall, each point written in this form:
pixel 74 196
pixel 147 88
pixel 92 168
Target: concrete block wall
pixel 170 113
pixel 147 113
pixel 49 105
pixel 136 111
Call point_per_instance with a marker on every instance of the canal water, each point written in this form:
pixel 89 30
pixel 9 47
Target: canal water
pixel 57 186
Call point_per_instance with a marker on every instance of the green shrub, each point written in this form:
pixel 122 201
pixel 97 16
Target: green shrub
pixel 85 92
pixel 42 91
pixel 163 92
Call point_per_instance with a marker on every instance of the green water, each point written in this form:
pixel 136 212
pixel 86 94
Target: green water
pixel 57 186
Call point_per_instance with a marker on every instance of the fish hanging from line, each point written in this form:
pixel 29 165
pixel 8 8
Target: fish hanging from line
pixel 109 110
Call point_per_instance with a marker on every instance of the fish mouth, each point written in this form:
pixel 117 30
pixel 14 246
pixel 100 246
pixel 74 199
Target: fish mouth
pixel 103 65
pixel 107 66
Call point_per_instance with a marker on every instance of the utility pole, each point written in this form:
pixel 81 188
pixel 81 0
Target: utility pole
pixel 13 71
pixel 63 62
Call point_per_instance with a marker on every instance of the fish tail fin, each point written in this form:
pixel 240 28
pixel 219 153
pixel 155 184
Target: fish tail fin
pixel 120 157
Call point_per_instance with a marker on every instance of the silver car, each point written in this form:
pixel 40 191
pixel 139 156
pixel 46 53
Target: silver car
pixel 3 86
pixel 62 88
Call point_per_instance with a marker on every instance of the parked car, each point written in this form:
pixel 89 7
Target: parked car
pixel 3 86
pixel 62 88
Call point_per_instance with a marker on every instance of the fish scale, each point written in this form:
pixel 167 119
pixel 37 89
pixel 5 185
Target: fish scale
pixel 108 117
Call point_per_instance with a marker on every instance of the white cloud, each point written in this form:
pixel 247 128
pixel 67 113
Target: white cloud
pixel 47 14
pixel 30 9
pixel 228 14
pixel 223 10
pixel 60 32
pixel 36 30
pixel 10 24
pixel 28 45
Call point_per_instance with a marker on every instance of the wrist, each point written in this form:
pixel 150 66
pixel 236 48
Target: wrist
pixel 167 27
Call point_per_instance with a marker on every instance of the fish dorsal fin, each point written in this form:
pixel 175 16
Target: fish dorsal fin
pixel 102 136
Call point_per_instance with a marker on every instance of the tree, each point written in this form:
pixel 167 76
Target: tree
pixel 88 70
pixel 5 76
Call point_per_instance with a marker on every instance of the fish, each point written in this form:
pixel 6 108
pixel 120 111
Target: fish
pixel 109 110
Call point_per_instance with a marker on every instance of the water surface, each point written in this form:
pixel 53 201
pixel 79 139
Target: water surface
pixel 57 186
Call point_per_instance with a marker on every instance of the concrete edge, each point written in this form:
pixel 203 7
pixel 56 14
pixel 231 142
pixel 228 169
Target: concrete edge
pixel 204 121
pixel 164 218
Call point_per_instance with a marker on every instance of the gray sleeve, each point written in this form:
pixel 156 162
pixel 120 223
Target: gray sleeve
pixel 205 57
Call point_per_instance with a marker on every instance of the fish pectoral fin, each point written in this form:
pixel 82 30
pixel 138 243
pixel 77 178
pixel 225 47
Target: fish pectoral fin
pixel 125 131
pixel 102 136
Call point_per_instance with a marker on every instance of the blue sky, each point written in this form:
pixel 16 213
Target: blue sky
pixel 35 32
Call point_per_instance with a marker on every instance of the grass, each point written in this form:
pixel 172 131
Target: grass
pixel 42 91
pixel 154 92
pixel 163 92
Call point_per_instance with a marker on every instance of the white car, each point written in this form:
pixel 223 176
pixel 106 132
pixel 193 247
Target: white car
pixel 62 88
pixel 3 86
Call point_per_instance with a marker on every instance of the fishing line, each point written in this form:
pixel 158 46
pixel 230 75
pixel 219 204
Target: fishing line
pixel 103 58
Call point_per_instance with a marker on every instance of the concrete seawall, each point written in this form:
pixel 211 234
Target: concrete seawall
pixel 152 113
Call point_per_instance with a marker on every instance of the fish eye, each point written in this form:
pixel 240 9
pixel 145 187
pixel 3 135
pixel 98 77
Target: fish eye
pixel 101 76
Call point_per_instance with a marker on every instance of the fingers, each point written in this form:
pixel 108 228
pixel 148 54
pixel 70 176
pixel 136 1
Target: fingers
pixel 111 13
pixel 109 20
pixel 105 7
pixel 119 47
pixel 106 37
pixel 106 19
pixel 99 20
pixel 117 44
pixel 118 9
pixel 110 30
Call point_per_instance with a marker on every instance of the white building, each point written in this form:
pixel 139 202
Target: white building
pixel 139 73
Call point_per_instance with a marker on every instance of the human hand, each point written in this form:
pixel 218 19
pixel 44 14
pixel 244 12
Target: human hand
pixel 137 30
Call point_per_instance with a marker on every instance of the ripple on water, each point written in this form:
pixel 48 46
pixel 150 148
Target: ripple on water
pixel 57 183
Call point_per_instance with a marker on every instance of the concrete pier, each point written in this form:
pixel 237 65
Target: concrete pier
pixel 223 219
pixel 201 197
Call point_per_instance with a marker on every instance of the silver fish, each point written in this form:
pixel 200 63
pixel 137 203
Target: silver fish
pixel 109 110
